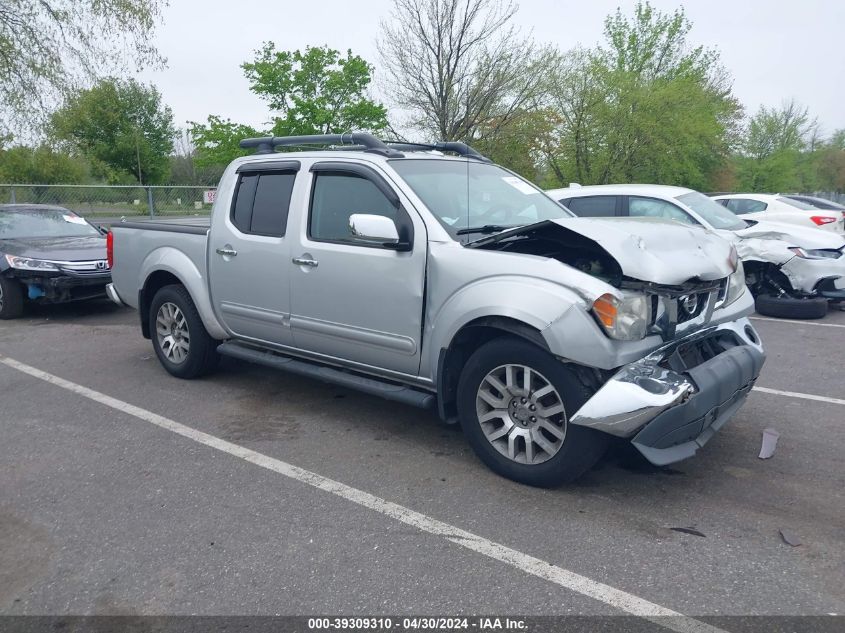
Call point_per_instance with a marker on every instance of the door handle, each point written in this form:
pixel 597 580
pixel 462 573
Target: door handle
pixel 301 261
pixel 230 252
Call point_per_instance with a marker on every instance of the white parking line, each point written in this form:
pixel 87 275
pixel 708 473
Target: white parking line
pixel 796 394
pixel 610 596
pixel 795 321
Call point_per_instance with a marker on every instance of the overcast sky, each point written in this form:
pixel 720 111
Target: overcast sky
pixel 775 49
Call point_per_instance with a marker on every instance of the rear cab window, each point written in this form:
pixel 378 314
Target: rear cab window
pixel 262 202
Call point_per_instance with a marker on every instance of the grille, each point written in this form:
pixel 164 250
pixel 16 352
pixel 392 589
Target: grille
pixel 97 266
pixel 691 305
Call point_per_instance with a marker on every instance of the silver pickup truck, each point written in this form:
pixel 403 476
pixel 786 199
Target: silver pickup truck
pixel 429 276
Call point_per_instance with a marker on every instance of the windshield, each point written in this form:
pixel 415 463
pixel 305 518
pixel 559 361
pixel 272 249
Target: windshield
pixel 798 204
pixel 470 197
pixel 42 223
pixel 717 216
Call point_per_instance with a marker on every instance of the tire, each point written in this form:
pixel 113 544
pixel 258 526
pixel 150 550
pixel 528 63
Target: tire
pixel 180 340
pixel 791 307
pixel 11 298
pixel 574 449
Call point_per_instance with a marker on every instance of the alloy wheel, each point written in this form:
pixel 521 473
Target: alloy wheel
pixel 172 333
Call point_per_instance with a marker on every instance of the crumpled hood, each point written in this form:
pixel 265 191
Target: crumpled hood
pixel 83 248
pixel 803 236
pixel 647 249
pixel 655 250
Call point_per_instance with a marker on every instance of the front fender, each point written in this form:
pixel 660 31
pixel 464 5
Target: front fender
pixel 178 264
pixel 535 302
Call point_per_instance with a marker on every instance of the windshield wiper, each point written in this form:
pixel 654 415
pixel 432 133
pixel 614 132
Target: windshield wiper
pixel 487 228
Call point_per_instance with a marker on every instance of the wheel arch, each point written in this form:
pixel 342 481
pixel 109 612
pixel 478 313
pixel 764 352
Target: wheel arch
pixel 167 266
pixel 467 339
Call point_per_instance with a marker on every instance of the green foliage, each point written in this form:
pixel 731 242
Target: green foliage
pixel 646 107
pixel 315 92
pixel 216 141
pixel 42 165
pixel 47 47
pixel 122 126
pixel 775 153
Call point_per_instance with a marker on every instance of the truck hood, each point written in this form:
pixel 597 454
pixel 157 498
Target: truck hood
pixel 803 236
pixel 63 249
pixel 646 249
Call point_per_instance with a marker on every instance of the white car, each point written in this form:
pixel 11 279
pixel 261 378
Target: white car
pixel 778 208
pixel 792 270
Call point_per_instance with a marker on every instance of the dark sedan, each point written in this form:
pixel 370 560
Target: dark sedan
pixel 48 254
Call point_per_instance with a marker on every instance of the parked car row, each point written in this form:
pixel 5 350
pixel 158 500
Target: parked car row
pixel 793 270
pixel 429 276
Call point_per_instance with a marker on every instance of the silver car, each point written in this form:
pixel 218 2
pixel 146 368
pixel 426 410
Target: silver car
pixel 429 276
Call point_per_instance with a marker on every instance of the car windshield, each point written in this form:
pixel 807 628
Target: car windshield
pixel 798 204
pixel 17 223
pixel 717 216
pixel 473 198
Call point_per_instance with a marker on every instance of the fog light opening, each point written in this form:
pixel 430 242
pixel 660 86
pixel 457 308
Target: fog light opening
pixel 752 335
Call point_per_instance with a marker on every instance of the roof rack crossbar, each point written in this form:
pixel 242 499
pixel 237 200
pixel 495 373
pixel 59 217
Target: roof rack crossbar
pixel 456 147
pixel 268 144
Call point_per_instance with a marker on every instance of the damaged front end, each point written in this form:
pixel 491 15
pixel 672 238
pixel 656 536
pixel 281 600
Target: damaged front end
pixel 670 403
pixel 671 277
pixel 688 357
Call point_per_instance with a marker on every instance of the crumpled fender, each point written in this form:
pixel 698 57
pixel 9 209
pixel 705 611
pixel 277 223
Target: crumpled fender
pixel 181 266
pixel 535 302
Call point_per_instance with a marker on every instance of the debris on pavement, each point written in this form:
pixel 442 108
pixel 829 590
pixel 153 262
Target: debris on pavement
pixel 688 530
pixel 770 441
pixel 789 538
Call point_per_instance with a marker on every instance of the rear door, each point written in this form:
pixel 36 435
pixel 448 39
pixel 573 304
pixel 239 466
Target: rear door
pixel 249 254
pixel 352 300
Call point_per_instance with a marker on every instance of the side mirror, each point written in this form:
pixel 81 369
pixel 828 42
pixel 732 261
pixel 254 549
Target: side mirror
pixel 376 229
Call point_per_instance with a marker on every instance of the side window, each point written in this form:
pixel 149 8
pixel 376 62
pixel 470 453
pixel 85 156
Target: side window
pixel 336 196
pixel 262 202
pixel 593 206
pixel 744 205
pixel 654 208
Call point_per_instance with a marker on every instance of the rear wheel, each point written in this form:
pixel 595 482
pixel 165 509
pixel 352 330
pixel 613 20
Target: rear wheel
pixel 786 307
pixel 11 298
pixel 180 340
pixel 514 403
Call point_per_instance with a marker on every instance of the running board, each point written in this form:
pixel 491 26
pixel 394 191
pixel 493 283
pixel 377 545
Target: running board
pixel 373 386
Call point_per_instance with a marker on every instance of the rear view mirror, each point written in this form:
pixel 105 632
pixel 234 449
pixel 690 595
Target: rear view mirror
pixel 376 229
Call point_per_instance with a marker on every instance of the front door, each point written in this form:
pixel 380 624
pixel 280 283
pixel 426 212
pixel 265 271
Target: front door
pixel 350 299
pixel 249 254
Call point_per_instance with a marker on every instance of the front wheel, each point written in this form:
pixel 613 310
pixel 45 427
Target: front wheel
pixel 180 340
pixel 514 403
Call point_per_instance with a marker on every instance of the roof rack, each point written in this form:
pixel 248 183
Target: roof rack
pixel 456 147
pixel 268 144
pixel 353 140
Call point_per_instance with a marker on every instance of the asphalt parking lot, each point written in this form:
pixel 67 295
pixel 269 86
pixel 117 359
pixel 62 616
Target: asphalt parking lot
pixel 109 509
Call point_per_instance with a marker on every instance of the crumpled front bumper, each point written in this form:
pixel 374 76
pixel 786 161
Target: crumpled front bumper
pixel 807 275
pixel 669 403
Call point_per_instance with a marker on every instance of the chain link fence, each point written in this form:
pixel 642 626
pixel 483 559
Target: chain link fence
pixel 829 195
pixel 113 202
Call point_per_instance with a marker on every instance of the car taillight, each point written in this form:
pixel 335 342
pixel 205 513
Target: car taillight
pixel 822 219
pixel 110 248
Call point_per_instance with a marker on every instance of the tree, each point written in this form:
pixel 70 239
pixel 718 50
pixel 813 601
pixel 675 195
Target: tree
pixel 458 68
pixel 315 92
pixel 50 47
pixel 216 141
pixel 121 124
pixel 645 107
pixel 41 165
pixel 773 156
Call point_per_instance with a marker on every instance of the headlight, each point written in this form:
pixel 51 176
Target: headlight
pixel 25 263
pixel 736 284
pixel 819 253
pixel 624 319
